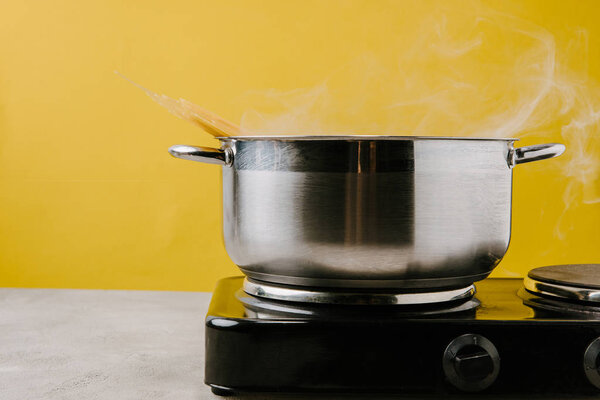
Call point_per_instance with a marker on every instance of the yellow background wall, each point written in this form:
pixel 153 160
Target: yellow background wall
pixel 89 197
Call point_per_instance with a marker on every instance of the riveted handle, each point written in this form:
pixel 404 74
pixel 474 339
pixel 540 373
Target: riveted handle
pixel 536 152
pixel 207 155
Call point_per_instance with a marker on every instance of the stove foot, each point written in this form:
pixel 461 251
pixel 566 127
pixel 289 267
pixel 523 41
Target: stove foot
pixel 221 391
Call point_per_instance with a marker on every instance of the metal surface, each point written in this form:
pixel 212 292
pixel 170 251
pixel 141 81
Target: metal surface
pixel 580 282
pixel 581 275
pixel 261 308
pixel 537 152
pixel 315 138
pixel 556 306
pixel 306 295
pixel 368 212
pixel 562 292
pixel 202 154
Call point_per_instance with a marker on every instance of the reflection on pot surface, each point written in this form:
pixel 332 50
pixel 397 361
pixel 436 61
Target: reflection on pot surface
pixel 367 211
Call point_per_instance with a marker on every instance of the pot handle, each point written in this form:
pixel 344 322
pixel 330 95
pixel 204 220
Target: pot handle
pixel 207 155
pixel 536 152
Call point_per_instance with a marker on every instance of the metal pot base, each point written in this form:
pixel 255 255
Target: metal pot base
pixel 346 297
pixel 367 284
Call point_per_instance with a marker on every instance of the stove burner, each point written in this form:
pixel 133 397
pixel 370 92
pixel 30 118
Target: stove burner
pixel 575 282
pixel 554 307
pixel 260 308
pixel 356 297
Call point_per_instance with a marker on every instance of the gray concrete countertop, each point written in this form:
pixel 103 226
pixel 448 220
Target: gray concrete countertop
pixel 100 344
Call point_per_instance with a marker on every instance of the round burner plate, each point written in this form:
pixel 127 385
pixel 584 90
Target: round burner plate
pixel 554 306
pixel 579 282
pixel 308 295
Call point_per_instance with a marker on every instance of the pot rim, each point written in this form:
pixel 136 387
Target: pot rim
pixel 350 138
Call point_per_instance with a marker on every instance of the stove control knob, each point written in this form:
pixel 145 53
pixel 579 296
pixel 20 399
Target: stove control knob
pixel 471 362
pixel 591 362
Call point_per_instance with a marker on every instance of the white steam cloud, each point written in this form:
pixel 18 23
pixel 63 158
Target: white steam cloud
pixel 481 74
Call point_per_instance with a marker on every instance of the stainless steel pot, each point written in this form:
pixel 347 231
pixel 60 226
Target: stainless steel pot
pixel 367 211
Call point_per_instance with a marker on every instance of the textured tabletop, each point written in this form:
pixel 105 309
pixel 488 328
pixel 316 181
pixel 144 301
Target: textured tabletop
pixel 98 344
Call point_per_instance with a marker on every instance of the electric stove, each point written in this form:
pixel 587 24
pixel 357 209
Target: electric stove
pixel 509 338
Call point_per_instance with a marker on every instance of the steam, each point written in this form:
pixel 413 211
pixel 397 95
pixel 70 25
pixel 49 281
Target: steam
pixel 480 74
pixel 451 81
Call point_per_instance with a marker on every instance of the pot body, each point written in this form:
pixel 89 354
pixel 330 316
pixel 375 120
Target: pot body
pixel 367 213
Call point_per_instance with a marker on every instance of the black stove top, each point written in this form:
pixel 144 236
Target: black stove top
pixel 499 343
